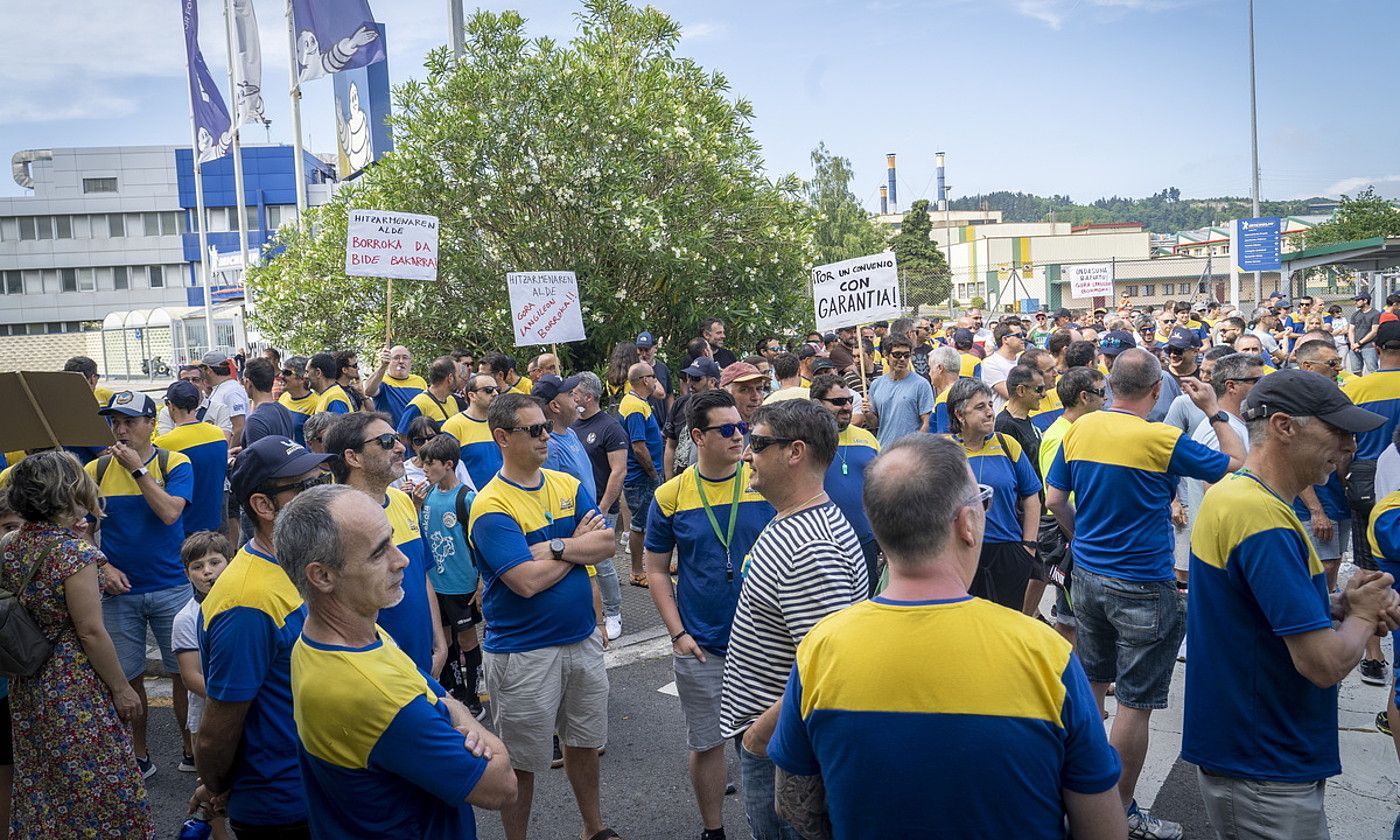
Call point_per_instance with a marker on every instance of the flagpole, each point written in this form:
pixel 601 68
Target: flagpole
pixel 203 234
pixel 296 114
pixel 233 86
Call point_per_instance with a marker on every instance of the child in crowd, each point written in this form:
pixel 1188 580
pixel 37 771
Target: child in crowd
pixel 414 482
pixel 205 555
pixel 446 502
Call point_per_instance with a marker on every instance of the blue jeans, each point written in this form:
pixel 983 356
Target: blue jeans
pixel 1129 633
pixel 756 776
pixel 1370 359
pixel 127 616
pixel 608 587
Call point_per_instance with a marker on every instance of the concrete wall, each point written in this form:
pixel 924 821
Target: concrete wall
pixel 45 352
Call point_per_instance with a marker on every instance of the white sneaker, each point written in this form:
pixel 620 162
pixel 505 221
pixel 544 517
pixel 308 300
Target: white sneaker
pixel 1181 651
pixel 612 625
pixel 1142 826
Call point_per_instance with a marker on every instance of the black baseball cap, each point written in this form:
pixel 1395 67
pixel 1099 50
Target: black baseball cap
pixel 267 459
pixel 1184 339
pixel 1388 336
pixel 550 386
pixel 1062 313
pixel 1366 296
pixel 1302 393
pixel 806 351
pixel 183 395
pixel 822 364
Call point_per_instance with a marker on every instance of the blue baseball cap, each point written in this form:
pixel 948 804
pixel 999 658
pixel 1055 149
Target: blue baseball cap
pixel 645 340
pixel 270 458
pixel 549 386
pixel 1184 339
pixel 703 366
pixel 183 395
pixel 1114 342
pixel 129 404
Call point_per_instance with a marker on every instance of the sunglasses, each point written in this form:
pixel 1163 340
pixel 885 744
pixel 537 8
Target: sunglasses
pixel 1098 392
pixel 419 441
pixel 839 401
pixel 288 372
pixel 1039 389
pixel 534 430
pixel 487 389
pixel 984 496
pixel 1244 379
pixel 758 443
pixel 727 430
pixel 386 441
pixel 689 378
pixel 296 487
pixel 899 355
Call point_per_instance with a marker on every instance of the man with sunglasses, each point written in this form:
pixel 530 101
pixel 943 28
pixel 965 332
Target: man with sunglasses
pixel 1010 340
pixel 679 451
pixel 368 456
pixel 1026 386
pixel 437 402
pixel 900 400
pixel 709 516
pixel 246 751
pixel 297 395
pixel 845 478
pixel 1183 349
pixel 479 452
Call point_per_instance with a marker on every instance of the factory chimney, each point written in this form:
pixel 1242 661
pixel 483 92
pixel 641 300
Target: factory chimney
pixel 889 167
pixel 884 200
pixel 942 192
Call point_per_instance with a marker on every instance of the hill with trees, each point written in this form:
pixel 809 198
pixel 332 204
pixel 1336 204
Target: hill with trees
pixel 1164 212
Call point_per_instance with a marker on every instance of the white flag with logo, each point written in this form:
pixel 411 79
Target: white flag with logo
pixel 248 106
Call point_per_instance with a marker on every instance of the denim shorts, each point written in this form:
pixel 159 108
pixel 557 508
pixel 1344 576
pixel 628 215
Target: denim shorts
pixel 128 615
pixel 639 493
pixel 1129 633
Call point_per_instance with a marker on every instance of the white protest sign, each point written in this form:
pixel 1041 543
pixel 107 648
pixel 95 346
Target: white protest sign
pixel 1088 281
pixel 856 291
pixel 392 245
pixel 544 307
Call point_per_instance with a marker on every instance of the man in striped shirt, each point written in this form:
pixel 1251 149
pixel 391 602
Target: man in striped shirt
pixel 806 564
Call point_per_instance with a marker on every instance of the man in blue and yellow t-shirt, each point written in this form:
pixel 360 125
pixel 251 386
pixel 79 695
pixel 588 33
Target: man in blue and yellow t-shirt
pixel 480 455
pixel 437 401
pixel 207 448
pixel 297 395
pixel 247 748
pixel 709 516
pixel 643 458
pixel 381 747
pixel 532 532
pixel 845 478
pixel 393 385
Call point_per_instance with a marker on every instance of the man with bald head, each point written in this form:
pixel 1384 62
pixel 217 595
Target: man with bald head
pixel 643 458
pixel 394 384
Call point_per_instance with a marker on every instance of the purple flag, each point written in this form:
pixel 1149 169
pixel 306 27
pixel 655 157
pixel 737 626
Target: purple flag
pixel 211 119
pixel 334 35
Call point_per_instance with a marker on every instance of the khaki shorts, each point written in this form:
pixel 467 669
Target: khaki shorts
pixel 538 693
pixel 698 685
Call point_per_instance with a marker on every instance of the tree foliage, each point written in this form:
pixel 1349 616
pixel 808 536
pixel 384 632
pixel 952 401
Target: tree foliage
pixel 609 156
pixel 1163 212
pixel 923 270
pixel 842 229
pixel 1362 217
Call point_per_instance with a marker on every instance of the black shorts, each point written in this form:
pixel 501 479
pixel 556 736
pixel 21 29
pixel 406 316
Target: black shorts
pixel 459 612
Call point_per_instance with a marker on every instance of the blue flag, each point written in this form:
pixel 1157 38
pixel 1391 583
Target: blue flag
pixel 334 35
pixel 211 120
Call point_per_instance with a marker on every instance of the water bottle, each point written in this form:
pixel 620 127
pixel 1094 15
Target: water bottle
pixel 196 827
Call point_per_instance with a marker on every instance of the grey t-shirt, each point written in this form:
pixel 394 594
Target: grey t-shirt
pixel 899 402
pixel 1362 322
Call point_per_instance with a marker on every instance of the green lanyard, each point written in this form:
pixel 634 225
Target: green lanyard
pixel 724 539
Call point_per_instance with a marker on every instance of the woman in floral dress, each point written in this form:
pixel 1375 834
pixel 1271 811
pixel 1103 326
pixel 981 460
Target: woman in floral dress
pixel 75 771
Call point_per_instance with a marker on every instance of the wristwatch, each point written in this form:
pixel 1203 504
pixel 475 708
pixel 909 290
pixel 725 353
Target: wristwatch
pixel 556 546
pixel 1220 417
pixel 140 471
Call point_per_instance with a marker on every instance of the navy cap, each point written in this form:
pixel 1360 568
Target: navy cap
pixel 270 458
pixel 822 364
pixel 1388 336
pixel 829 338
pixel 1366 296
pixel 183 395
pixel 806 351
pixel 549 386
pixel 1283 303
pixel 963 338
pixel 645 340
pixel 1114 342
pixel 1063 313
pixel 702 366
pixel 1184 339
pixel 129 404
pixel 1302 393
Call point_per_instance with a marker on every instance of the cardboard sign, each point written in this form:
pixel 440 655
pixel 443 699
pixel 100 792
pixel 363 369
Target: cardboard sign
pixel 856 291
pixel 544 307
pixel 401 246
pixel 1087 281
pixel 49 408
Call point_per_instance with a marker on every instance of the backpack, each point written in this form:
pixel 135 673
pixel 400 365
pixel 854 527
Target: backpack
pixel 23 646
pixel 162 461
pixel 462 504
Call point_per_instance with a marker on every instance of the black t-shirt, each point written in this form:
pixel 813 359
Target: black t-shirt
pixel 724 357
pixel 1025 433
pixel 270 418
pixel 600 434
pixel 663 375
pixel 675 420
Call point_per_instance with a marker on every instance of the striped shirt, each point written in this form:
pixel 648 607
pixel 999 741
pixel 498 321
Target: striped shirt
pixel 802 568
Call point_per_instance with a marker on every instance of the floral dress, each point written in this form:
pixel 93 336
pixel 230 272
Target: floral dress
pixel 75 771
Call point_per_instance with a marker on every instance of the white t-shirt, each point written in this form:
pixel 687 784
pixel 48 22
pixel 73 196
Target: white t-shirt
pixel 215 413
pixel 994 370
pixel 1193 490
pixel 1387 472
pixel 414 473
pixel 184 636
pixel 232 395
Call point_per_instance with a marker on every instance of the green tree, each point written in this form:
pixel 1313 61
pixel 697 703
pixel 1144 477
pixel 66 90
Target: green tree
pixel 923 270
pixel 842 229
pixel 1362 217
pixel 609 156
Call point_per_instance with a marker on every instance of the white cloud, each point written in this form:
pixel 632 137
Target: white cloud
pixel 99 107
pixel 1046 11
pixel 1053 13
pixel 703 31
pixel 1351 186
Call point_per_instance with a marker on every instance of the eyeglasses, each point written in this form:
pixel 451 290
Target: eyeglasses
pixel 984 496
pixel 727 430
pixel 1098 392
pixel 486 389
pixel 355 365
pixel 1335 364
pixel 1176 351
pixel 534 430
pixel 386 441
pixel 1039 389
pixel 758 443
pixel 899 355
pixel 287 372
pixel 774 348
pixel 1244 379
pixel 419 441
pixel 839 401
pixel 296 487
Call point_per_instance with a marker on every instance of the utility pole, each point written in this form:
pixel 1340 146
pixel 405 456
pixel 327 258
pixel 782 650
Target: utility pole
pixel 458 24
pixel 1254 147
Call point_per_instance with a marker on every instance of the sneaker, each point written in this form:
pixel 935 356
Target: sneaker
pixel 186 764
pixel 474 706
pixel 1383 722
pixel 1373 671
pixel 146 766
pixel 1181 652
pixel 612 625
pixel 558 760
pixel 1143 826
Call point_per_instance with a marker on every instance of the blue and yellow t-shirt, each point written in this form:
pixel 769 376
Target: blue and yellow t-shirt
pixel 641 425
pixel 301 408
pixel 378 751
pixel 970 367
pixel 1332 494
pixel 480 454
pixel 845 478
pixel 395 395
pixel 252 617
pixel 1011 474
pixel 708 578
pixel 1123 471
pixel 134 539
pixel 1383 532
pixel 335 400
pixel 410 621
pixel 424 404
pixel 207 448
pixel 938 423
pixel 1255 580
pixel 1050 410
pixel 506 519
pixel 1378 392
pixel 884 680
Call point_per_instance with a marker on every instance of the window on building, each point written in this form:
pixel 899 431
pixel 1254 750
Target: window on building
pixel 120 279
pixel 172 223
pixel 151 224
pixel 99 185
pixel 63 227
pixel 274 217
pixel 33 283
pixel 27 228
pixel 14 283
pixel 87 280
pixel 116 225
pixel 1130 291
pixel 1149 290
pixel 67 280
pixel 155 275
pixel 44 226
pixel 82 226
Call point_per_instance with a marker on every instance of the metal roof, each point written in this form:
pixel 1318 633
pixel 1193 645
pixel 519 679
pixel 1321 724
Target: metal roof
pixel 1375 254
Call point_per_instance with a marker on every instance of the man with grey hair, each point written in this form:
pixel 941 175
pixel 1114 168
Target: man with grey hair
pixel 410 770
pixel 315 428
pixel 945 366
pixel 927 513
pixel 806 564
pixel 1122 471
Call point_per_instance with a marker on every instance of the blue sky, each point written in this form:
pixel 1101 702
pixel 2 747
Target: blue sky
pixel 1079 97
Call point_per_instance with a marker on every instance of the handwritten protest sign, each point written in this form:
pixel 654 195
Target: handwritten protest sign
pixel 401 246
pixel 1089 281
pixel 544 307
pixel 856 291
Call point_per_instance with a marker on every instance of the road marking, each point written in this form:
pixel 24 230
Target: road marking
pixel 669 688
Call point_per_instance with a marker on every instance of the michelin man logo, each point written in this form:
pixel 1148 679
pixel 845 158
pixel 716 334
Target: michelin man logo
pixel 354 132
pixel 315 64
